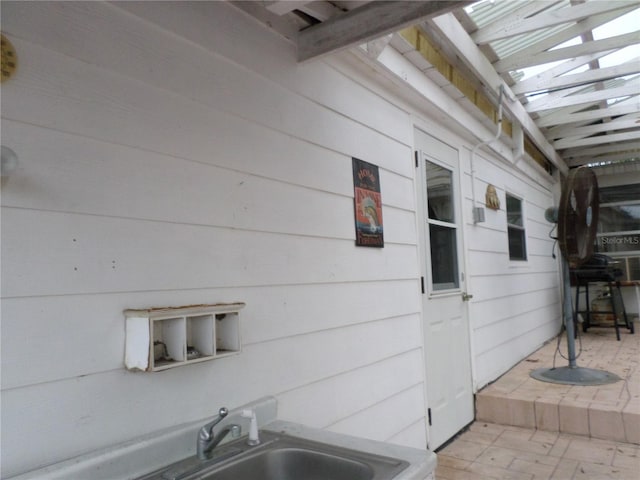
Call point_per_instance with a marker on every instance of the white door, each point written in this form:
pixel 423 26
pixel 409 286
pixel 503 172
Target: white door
pixel 446 330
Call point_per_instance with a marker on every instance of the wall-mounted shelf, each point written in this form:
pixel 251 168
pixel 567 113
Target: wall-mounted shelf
pixel 162 338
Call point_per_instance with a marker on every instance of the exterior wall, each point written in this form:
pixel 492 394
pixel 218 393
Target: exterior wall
pixel 516 305
pixel 202 164
pixel 173 154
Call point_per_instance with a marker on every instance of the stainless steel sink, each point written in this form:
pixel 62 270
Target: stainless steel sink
pixel 283 457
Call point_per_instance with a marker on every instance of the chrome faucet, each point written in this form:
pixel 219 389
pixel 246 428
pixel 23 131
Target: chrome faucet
pixel 207 441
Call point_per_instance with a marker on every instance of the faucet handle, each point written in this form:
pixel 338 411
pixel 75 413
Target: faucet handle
pixel 223 412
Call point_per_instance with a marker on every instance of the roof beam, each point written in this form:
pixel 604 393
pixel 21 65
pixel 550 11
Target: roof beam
pixel 581 99
pixel 624 123
pixel 536 83
pixel 597 140
pixel 627 121
pixel 619 41
pixel 502 30
pixel 367 22
pixel 588 116
pixel 591 152
pixel 617 157
pixel 569 65
pixel 468 51
pixel 579 28
pixel 282 7
pixel 320 10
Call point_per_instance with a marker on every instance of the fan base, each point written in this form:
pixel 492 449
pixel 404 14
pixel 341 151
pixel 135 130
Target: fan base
pixel 574 376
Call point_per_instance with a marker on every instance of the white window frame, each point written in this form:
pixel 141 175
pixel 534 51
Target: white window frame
pixel 522 228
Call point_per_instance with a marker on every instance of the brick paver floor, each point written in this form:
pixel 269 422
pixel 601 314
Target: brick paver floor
pixel 487 451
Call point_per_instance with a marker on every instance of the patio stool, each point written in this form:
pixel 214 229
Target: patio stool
pixel 601 269
pixel 620 318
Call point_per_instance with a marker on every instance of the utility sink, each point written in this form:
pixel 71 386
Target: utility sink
pixel 283 457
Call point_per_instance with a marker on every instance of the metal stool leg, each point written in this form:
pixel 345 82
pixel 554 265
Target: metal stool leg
pixel 613 309
pixel 627 323
pixel 576 311
pixel 586 322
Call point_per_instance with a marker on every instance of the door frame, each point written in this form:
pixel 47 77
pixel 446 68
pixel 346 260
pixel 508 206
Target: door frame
pixel 424 254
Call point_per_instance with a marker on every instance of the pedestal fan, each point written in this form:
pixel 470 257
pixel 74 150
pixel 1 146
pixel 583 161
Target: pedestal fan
pixel 577 219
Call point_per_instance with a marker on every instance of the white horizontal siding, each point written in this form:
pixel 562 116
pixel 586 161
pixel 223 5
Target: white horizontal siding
pixel 516 304
pixel 376 380
pixel 105 254
pixel 157 169
pixel 52 323
pixel 116 402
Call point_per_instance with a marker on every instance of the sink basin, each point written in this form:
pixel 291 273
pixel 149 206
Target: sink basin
pixel 294 464
pixel 283 457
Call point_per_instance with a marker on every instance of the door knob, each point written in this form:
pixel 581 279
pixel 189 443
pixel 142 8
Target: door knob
pixel 466 297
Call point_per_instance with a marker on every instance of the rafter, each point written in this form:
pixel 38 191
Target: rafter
pixel 614 139
pixel 581 99
pixel 590 76
pixel 518 26
pixel 567 34
pixel 590 115
pixel 621 123
pixel 281 7
pixel 586 48
pixel 617 157
pixel 586 153
pixel 375 19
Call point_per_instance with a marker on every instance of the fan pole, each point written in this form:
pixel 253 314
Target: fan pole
pixel 568 314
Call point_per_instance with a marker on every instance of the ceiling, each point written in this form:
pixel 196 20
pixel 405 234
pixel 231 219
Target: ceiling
pixel 569 69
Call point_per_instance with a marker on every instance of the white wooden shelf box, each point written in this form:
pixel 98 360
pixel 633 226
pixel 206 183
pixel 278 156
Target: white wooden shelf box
pixel 161 338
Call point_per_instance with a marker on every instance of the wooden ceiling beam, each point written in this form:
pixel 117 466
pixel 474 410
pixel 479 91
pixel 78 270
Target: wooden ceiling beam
pixel 365 23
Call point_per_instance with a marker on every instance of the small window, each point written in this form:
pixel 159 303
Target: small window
pixel 515 229
pixel 443 229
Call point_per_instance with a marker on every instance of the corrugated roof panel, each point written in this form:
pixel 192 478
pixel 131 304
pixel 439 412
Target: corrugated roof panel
pixel 485 12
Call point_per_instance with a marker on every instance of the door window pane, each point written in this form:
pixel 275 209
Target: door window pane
pixel 443 231
pixel 439 193
pixel 444 257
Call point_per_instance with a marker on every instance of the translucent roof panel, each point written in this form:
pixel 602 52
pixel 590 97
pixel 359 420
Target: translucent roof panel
pixel 574 65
